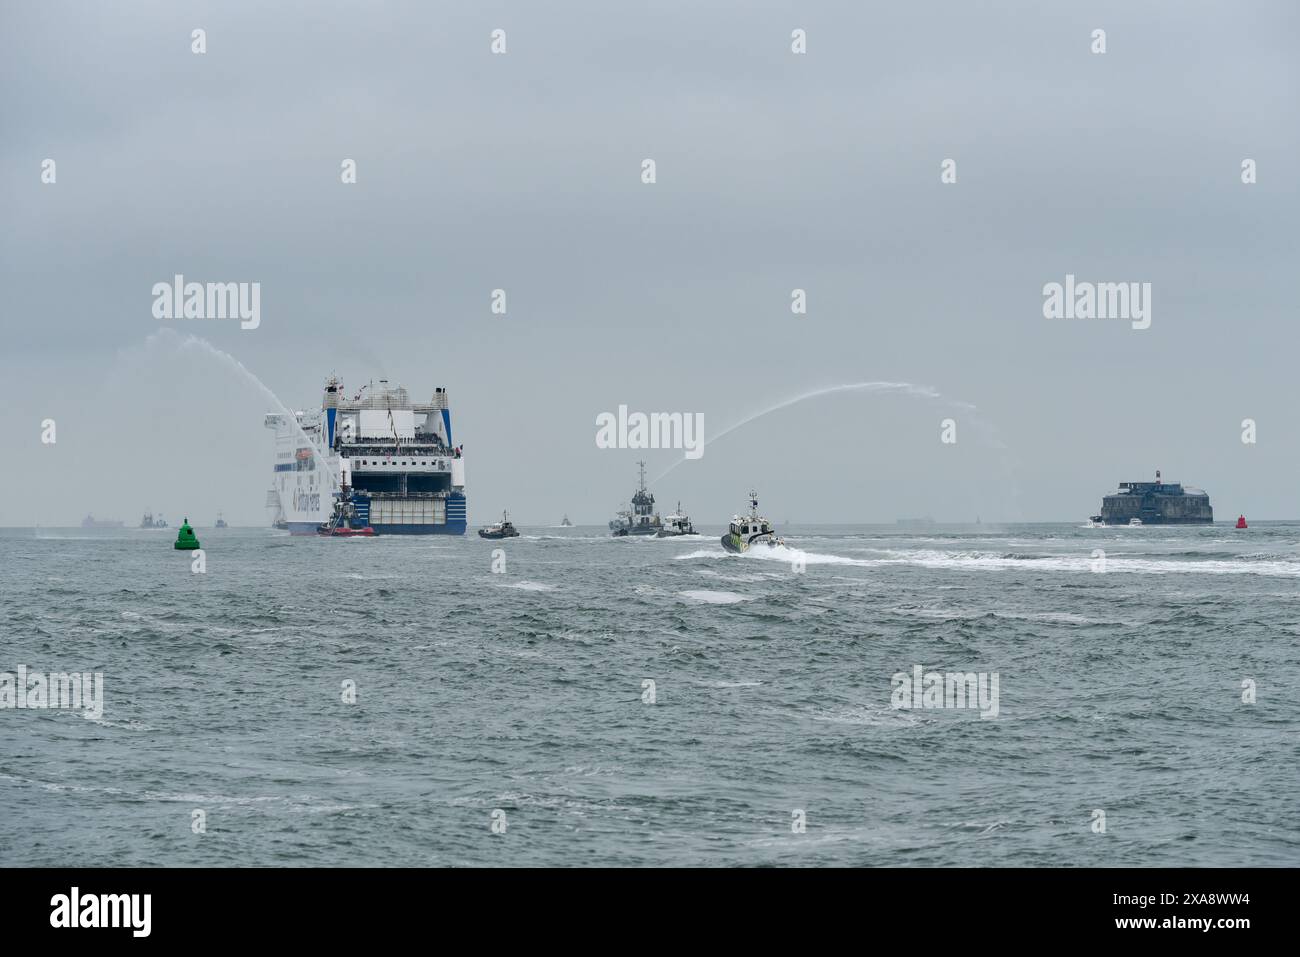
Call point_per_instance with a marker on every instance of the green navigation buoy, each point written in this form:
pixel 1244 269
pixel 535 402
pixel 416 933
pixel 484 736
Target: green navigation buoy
pixel 185 540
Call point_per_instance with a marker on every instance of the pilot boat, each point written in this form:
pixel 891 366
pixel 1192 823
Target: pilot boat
pixel 745 531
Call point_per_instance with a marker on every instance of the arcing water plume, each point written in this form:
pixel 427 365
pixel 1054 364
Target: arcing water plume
pixel 170 339
pixel 896 388
pixel 904 388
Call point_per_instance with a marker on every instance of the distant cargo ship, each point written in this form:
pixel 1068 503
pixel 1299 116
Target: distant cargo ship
pixel 1155 503
pixel 395 458
pixel 91 522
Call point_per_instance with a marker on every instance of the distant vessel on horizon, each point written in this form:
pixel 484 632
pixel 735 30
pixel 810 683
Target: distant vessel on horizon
pixel 91 522
pixel 148 521
pixel 564 522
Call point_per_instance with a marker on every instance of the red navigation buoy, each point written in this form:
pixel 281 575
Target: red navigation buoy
pixel 1241 521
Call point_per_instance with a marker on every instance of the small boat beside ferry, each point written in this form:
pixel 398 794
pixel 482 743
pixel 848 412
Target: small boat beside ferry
pixel 345 521
pixel 501 529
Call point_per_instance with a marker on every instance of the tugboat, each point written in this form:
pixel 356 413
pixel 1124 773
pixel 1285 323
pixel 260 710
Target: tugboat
pixel 676 524
pixel 221 522
pixel 501 529
pixel 751 529
pixel 344 522
pixel 565 523
pixel 642 518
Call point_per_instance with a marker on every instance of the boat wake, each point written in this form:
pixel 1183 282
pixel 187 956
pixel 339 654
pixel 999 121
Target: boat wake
pixel 715 597
pixel 1003 561
pixel 779 553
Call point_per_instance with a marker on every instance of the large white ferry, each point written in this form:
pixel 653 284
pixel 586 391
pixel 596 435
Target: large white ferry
pixel 393 457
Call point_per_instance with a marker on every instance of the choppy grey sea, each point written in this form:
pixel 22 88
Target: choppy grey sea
pixel 1157 684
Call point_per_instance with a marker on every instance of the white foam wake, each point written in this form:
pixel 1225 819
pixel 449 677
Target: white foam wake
pixel 714 597
pixel 989 561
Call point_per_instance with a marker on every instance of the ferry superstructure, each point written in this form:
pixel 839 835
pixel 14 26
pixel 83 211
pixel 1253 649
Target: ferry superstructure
pixel 396 458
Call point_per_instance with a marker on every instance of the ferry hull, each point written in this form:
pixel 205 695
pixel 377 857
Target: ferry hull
pixel 451 528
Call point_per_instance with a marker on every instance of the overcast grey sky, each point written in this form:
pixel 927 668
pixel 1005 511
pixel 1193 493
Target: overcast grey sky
pixel 775 171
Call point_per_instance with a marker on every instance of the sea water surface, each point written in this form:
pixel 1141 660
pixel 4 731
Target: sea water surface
pixel 520 697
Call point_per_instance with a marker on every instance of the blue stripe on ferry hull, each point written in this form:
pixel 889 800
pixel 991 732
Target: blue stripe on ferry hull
pixel 451 528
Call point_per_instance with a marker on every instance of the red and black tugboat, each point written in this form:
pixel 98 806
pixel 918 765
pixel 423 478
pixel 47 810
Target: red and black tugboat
pixel 344 523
